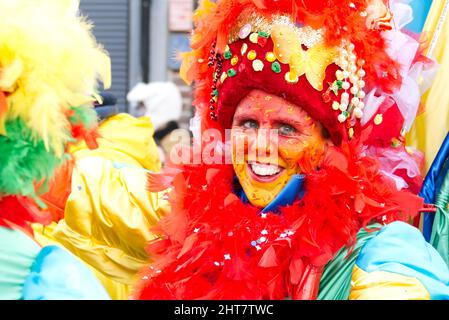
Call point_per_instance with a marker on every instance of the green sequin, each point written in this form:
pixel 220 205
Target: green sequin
pixel 232 72
pixel 276 67
pixel 227 55
pixel 263 34
pixel 340 84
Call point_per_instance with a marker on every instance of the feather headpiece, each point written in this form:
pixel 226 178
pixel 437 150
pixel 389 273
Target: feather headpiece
pixel 50 64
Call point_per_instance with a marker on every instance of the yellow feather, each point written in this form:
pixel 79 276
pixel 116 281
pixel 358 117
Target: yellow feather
pixel 49 61
pixel 312 63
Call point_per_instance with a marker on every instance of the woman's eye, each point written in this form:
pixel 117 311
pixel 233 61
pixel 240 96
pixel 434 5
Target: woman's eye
pixel 286 130
pixel 250 124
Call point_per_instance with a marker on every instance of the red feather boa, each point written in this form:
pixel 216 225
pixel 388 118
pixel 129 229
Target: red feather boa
pixel 18 212
pixel 207 249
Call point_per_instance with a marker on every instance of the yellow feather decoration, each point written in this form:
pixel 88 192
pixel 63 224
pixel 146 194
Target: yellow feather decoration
pixel 49 62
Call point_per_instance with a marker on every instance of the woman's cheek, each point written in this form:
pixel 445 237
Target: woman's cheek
pixel 290 151
pixel 301 154
pixel 312 155
pixel 239 142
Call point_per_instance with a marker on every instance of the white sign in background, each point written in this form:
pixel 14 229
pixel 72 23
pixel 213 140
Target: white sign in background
pixel 180 15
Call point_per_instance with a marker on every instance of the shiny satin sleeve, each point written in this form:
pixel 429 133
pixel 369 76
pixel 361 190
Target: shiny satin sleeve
pixel 381 285
pixel 108 219
pixel 398 264
pixel 107 212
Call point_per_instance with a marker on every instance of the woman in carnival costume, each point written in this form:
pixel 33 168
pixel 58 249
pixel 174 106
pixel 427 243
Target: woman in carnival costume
pixel 49 66
pixel 322 209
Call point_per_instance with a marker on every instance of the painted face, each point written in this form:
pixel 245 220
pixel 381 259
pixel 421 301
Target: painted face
pixel 272 140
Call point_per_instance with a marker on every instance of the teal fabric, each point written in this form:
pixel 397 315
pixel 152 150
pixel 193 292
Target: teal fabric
pixel 440 228
pixel 400 248
pixel 58 275
pixel 17 254
pixel 335 283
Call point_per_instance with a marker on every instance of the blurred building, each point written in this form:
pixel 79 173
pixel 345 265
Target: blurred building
pixel 143 38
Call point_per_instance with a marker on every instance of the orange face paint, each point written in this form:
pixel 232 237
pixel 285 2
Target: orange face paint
pixel 270 147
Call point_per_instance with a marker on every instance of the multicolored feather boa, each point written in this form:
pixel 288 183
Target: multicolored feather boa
pixel 215 247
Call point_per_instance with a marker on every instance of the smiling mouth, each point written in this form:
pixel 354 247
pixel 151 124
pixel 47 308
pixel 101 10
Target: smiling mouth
pixel 264 172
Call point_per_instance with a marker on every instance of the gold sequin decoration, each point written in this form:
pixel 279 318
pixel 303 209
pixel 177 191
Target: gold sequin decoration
pixel 378 119
pixel 289 80
pixel 270 57
pixel 252 55
pixel 234 60
pixel 351 133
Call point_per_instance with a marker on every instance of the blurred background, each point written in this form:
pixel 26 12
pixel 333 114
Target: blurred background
pixel 143 38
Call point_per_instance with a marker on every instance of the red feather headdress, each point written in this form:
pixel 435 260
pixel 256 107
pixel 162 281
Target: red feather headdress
pixel 228 60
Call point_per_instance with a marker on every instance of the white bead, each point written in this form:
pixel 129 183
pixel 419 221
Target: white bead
pixel 343 107
pixel 361 84
pixel 355 101
pixel 335 105
pixel 345 74
pixel 345 96
pixel 354 78
pixel 361 73
pixel 341 118
pixel 354 90
pixel 352 68
pixel 358 113
pixel 346 85
pixel 351 47
pixel 361 105
pixel 361 94
pixel 352 57
pixel 343 52
pixel 344 63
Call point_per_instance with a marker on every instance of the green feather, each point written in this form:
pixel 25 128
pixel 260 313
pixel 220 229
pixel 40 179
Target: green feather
pixel 24 160
pixel 87 116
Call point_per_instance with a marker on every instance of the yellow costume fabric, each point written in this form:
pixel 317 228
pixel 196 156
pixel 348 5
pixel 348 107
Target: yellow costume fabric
pixel 109 213
pixel 431 127
pixel 383 285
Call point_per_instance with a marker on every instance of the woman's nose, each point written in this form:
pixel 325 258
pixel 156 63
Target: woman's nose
pixel 265 142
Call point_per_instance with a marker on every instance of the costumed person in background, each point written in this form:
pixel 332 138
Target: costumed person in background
pixel 162 102
pixel 321 209
pixel 49 66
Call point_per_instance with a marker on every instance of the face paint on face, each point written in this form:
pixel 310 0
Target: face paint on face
pixel 272 141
